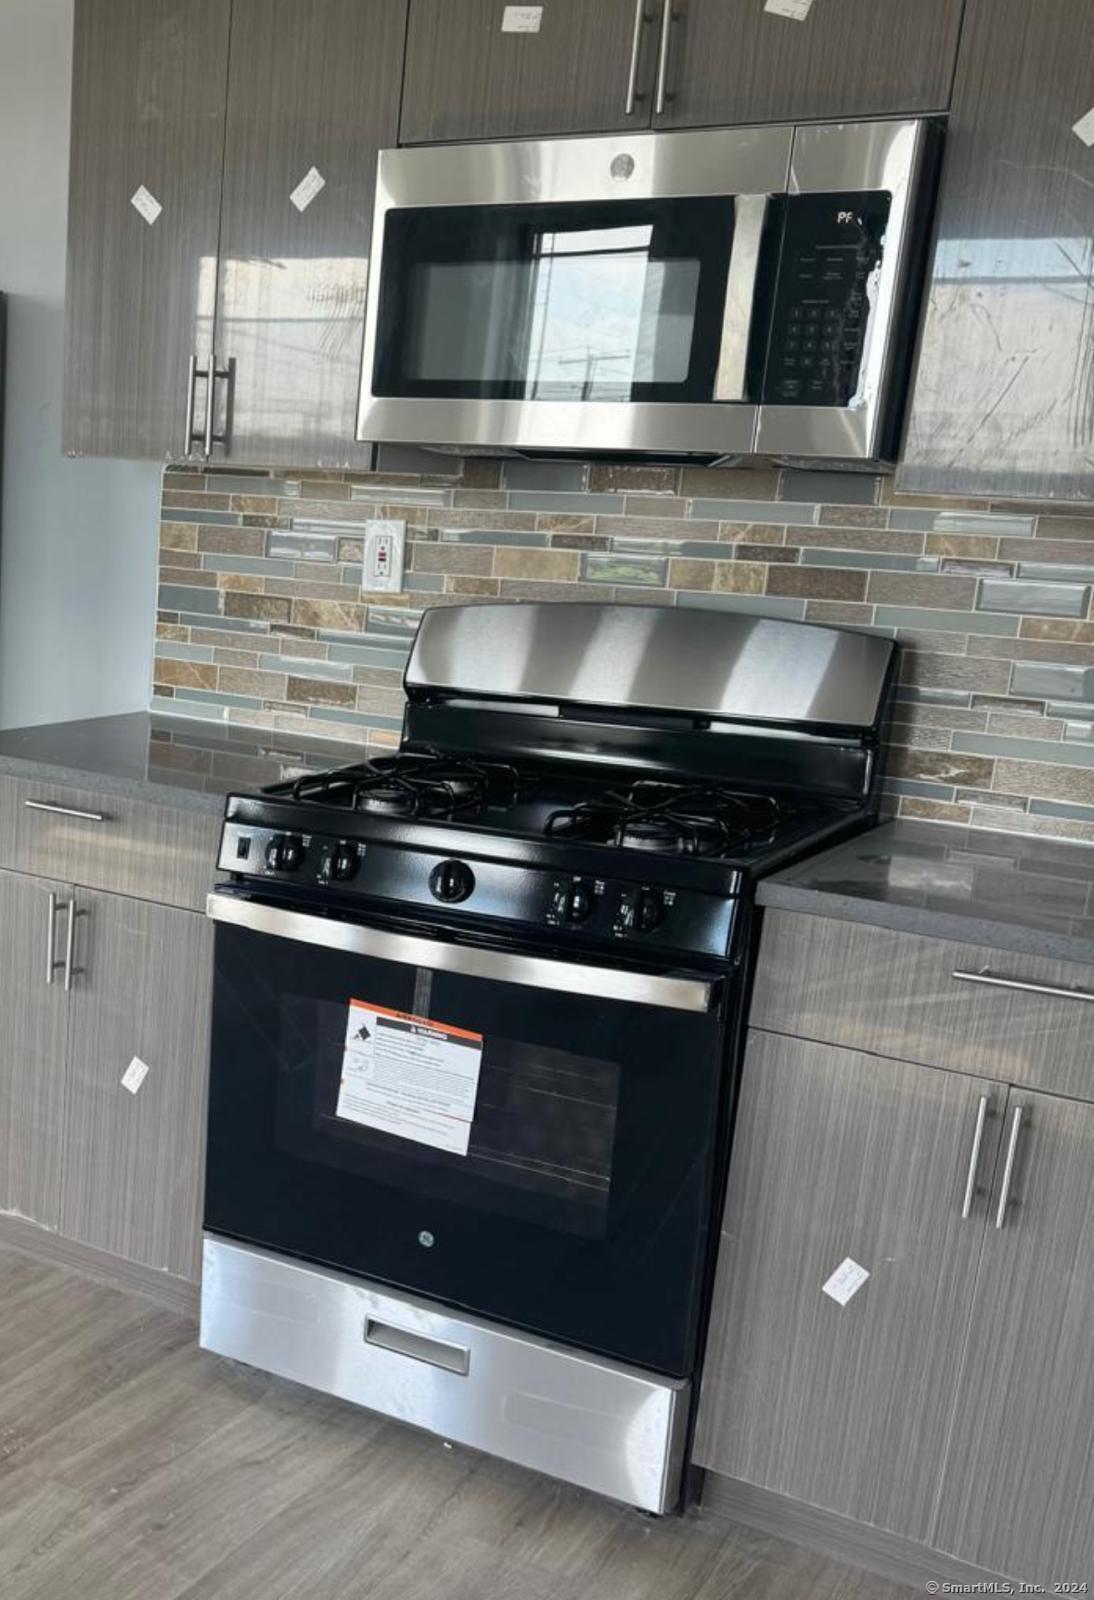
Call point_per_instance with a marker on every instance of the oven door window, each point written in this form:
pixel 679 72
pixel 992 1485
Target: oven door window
pixel 589 302
pixel 582 1199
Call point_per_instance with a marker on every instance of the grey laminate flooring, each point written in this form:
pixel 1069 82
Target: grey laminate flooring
pixel 135 1467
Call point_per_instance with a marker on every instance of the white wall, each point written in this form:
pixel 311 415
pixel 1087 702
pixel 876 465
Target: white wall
pixel 77 538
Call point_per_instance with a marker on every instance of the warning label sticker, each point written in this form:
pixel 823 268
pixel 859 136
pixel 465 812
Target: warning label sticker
pixel 409 1076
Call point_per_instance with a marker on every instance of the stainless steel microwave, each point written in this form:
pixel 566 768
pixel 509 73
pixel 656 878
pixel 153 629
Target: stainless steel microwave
pixel 743 291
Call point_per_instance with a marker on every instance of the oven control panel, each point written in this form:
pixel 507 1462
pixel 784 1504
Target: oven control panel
pixel 582 906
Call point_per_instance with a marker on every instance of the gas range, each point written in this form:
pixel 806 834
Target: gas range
pixel 478 1008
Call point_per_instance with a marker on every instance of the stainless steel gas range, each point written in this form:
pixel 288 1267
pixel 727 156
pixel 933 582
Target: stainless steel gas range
pixel 476 1011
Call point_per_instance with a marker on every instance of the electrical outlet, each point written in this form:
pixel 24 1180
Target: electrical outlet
pixel 385 543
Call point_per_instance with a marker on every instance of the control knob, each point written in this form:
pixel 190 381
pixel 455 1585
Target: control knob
pixel 342 863
pixel 451 881
pixel 578 902
pixel 649 909
pixel 284 853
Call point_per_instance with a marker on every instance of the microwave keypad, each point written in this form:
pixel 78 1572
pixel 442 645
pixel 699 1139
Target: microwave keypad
pixel 832 244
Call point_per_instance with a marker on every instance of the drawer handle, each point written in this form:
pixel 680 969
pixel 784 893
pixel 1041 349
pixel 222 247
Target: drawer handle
pixel 1008 1167
pixel 436 1352
pixel 997 981
pixel 983 1112
pixel 66 811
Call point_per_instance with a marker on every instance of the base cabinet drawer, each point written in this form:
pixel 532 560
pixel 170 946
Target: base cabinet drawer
pixel 107 841
pixel 840 1156
pixel 1021 1018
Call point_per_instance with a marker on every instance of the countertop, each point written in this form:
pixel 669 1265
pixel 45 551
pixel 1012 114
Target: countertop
pixel 171 761
pixel 1033 896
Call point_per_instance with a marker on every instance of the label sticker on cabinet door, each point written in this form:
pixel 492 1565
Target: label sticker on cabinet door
pixel 146 203
pixel 797 9
pixel 521 19
pixel 846 1281
pixel 1084 128
pixel 409 1076
pixel 135 1074
pixel 307 189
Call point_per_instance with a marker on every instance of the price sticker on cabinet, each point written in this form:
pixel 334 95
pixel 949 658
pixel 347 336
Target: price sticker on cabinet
pixel 846 1281
pixel 145 204
pixel 521 19
pixel 1084 128
pixel 135 1074
pixel 797 10
pixel 307 189
pixel 409 1076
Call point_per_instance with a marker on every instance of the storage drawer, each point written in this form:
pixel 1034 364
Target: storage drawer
pixel 901 995
pixel 107 841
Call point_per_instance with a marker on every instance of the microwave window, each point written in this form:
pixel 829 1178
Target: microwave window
pixel 554 303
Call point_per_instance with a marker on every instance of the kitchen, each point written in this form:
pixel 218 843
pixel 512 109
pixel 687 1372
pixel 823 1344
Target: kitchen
pixel 546 699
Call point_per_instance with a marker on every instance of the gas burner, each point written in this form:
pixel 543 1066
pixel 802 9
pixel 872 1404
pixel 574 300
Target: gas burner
pixel 412 784
pixel 670 819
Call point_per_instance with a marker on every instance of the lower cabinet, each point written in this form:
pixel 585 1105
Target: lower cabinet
pixel 951 1398
pixel 1018 1486
pixel 133 1162
pixel 88 981
pixel 32 1048
pixel 841 1155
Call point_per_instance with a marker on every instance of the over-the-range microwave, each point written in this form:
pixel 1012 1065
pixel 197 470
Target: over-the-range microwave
pixel 743 291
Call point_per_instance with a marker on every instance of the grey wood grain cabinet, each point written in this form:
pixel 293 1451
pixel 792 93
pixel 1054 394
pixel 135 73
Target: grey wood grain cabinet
pixel 32 1050
pixel 1003 402
pixel 133 1162
pixel 732 61
pixel 148 104
pixel 467 78
pixel 313 87
pixel 839 1154
pixel 1019 1481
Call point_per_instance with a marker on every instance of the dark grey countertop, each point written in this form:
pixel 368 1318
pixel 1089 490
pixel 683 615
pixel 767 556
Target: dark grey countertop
pixel 167 760
pixel 1011 892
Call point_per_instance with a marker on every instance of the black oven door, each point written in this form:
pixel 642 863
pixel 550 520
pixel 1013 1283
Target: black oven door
pixel 523 1137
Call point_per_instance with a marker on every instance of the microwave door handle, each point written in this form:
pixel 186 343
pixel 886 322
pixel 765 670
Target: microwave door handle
pixel 749 216
pixel 471 961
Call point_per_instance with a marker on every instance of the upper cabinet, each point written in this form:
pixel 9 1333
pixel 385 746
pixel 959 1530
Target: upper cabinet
pixel 587 68
pixel 223 163
pixel 1004 397
pixel 600 66
pixel 148 101
pixel 733 61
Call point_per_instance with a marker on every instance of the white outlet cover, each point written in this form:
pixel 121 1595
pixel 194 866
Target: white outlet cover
pixel 385 545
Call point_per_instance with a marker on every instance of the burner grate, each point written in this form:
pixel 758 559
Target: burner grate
pixel 670 819
pixel 423 783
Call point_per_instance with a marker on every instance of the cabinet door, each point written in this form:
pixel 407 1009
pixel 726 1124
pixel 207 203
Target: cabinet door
pixel 313 95
pixel 147 113
pixel 1019 1481
pixel 1002 399
pixel 469 78
pixel 133 1162
pixel 735 61
pixel 837 1155
pixel 32 1052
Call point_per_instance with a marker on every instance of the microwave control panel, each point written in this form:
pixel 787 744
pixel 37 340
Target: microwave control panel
pixel 831 250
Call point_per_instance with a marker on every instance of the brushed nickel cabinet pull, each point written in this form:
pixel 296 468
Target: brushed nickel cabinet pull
pixel 54 907
pixel 1008 1167
pixel 663 57
pixel 418 1346
pixel 996 980
pixel 633 96
pixel 191 384
pixel 210 403
pixel 66 811
pixel 70 944
pixel 982 1114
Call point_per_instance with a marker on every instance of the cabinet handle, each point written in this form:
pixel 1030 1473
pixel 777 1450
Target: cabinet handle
pixel 997 981
pixel 1008 1167
pixel 663 57
pixel 982 1114
pixel 633 96
pixel 55 905
pixel 65 811
pixel 210 403
pixel 191 384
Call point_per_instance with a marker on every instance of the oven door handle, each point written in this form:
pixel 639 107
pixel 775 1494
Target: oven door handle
pixel 470 961
pixel 731 374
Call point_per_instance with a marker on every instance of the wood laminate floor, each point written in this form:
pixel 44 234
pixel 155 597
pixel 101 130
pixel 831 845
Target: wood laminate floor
pixel 133 1466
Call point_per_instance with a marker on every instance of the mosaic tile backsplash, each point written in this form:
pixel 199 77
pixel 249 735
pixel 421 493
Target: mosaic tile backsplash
pixel 262 619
